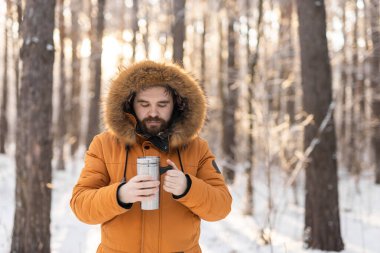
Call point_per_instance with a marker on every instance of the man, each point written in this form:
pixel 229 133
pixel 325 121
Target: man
pixel 152 109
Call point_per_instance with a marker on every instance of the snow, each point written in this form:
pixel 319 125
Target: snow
pixel 359 204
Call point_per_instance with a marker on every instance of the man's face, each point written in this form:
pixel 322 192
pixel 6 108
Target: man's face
pixel 153 108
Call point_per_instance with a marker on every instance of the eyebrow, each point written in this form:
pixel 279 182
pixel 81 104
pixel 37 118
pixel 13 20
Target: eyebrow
pixel 145 101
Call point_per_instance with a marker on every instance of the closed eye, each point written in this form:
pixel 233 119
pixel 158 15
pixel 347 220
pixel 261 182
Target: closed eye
pixel 164 104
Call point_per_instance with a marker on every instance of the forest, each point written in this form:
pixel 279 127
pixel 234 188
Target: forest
pixel 293 115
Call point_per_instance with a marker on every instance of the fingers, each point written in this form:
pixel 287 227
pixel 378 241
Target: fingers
pixel 175 180
pixel 139 188
pixel 144 191
pixel 171 180
pixel 170 184
pixel 173 174
pixel 175 171
pixel 140 178
pixel 146 187
pixel 143 185
pixel 148 184
pixel 144 182
pixel 172 164
pixel 147 192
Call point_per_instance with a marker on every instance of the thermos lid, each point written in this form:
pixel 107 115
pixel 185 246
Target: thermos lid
pixel 146 160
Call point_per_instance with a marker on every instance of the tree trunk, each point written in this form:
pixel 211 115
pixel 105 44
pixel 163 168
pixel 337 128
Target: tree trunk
pixel 4 101
pixel 16 49
pixel 271 87
pixel 366 28
pixel 121 16
pixel 229 108
pixel 31 231
pixel 96 73
pixel 146 34
pixel 287 54
pixel 221 69
pixel 62 108
pixel 179 30
pixel 252 60
pixel 352 156
pixel 163 29
pixel 75 104
pixel 322 221
pixel 135 28
pixel 287 57
pixel 203 50
pixel 362 74
pixel 375 85
pixel 343 90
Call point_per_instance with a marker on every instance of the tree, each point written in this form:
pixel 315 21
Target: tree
pixel 232 91
pixel 121 14
pixel 31 231
pixel 203 46
pixel 146 33
pixel 75 105
pixel 135 28
pixel 179 30
pixel 287 53
pixel 221 61
pixel 322 221
pixel 96 72
pixel 16 49
pixel 62 108
pixel 162 33
pixel 4 101
pixel 289 143
pixel 343 87
pixel 252 59
pixel 352 147
pixel 375 84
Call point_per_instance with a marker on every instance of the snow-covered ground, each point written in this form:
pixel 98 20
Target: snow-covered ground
pixel 359 204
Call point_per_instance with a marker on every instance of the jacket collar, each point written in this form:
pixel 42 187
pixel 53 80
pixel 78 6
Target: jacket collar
pixel 160 141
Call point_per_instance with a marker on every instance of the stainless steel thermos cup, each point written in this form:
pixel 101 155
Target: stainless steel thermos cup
pixel 149 165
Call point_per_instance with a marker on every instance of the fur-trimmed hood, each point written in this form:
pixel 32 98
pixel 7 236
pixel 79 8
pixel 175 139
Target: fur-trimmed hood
pixel 145 74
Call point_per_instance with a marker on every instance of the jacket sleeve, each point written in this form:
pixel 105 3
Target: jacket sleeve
pixel 208 196
pixel 94 200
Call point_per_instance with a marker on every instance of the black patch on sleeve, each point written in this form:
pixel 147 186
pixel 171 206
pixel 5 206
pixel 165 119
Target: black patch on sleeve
pixel 215 166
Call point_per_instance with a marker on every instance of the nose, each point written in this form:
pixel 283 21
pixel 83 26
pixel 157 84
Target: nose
pixel 153 112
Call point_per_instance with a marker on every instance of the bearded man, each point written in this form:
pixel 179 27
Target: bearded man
pixel 152 109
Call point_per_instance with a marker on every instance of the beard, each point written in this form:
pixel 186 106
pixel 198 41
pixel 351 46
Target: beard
pixel 160 126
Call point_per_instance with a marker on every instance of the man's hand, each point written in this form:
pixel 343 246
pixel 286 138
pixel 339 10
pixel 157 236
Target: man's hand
pixel 175 180
pixel 138 188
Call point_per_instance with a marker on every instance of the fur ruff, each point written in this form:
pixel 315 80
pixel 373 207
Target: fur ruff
pixel 145 74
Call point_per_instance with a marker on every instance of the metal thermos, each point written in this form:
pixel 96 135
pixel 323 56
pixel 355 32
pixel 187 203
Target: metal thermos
pixel 149 165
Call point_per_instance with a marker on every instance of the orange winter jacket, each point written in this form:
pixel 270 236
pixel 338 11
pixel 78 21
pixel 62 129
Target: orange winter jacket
pixel 175 226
